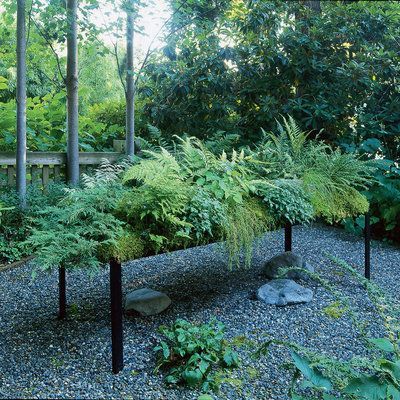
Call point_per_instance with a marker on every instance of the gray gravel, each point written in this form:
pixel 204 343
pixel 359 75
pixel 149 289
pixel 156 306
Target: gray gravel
pixel 42 357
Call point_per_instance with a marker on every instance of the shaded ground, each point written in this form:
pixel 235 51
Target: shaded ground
pixel 45 358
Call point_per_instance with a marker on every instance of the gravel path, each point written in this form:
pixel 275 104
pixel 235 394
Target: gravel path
pixel 41 357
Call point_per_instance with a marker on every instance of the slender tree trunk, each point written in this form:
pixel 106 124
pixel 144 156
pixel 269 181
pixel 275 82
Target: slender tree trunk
pixel 72 93
pixel 130 86
pixel 314 5
pixel 21 103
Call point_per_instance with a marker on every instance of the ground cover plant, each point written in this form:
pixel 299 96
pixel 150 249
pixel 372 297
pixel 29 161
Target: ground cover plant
pixel 375 376
pixel 175 199
pixel 197 355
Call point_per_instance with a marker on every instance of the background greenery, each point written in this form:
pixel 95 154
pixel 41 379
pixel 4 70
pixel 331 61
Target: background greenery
pixel 228 69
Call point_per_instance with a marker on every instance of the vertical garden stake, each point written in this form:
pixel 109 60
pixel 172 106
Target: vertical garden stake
pixel 62 294
pixel 116 316
pixel 288 236
pixel 367 242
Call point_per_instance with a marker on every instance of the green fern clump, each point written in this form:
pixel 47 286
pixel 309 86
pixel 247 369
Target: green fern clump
pixel 71 233
pixel 246 222
pixel 156 203
pixel 331 181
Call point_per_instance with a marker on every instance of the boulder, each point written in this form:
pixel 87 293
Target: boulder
pixel 146 301
pixel 286 260
pixel 282 292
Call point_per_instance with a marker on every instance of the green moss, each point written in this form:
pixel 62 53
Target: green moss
pixel 335 310
pixel 129 246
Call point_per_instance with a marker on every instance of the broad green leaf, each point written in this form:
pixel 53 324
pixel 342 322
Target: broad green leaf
pixel 382 344
pixel 367 387
pixel 312 374
pixel 192 377
pixel 392 368
pixel 394 392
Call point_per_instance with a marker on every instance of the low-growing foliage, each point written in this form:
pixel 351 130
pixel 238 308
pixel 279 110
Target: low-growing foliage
pixel 375 376
pixel 195 355
pixel 330 179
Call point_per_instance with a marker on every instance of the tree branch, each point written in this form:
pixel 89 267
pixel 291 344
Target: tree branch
pixel 52 49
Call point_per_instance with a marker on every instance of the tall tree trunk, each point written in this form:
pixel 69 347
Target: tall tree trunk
pixel 21 103
pixel 130 86
pixel 72 93
pixel 315 5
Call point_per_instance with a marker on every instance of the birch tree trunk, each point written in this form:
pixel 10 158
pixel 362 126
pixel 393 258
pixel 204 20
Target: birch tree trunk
pixel 130 86
pixel 72 93
pixel 315 5
pixel 21 103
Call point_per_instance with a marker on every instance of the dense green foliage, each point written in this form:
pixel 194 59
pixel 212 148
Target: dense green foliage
pixel 174 199
pixel 195 355
pixel 16 224
pixel 80 231
pixel 375 376
pixel 228 69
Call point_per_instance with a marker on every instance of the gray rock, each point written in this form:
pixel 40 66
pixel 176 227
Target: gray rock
pixel 282 292
pixel 147 301
pixel 286 260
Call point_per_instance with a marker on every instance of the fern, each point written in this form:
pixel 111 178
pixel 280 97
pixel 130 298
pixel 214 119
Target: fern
pixel 331 180
pixel 245 223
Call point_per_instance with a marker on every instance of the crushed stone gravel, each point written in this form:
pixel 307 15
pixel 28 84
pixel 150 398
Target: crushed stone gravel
pixel 42 357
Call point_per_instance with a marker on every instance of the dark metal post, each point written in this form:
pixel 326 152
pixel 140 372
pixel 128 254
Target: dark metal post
pixel 62 294
pixel 116 316
pixel 288 236
pixel 367 242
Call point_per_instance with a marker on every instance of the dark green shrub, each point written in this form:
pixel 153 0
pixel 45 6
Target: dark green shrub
pixel 384 198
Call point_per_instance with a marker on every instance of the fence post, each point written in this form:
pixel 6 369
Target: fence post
pixel 288 236
pixel 62 294
pixel 117 346
pixel 367 246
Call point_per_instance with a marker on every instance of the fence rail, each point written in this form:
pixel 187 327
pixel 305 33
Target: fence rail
pixel 46 167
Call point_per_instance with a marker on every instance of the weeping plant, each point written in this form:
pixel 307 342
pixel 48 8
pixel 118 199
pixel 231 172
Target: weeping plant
pixel 331 180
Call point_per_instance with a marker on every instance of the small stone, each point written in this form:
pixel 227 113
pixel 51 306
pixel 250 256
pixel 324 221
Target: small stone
pixel 147 301
pixel 287 260
pixel 282 292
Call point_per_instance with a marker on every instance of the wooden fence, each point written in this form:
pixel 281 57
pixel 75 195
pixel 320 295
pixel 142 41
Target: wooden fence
pixel 46 167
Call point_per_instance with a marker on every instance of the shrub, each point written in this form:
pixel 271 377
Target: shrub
pixel 194 354
pixel 384 197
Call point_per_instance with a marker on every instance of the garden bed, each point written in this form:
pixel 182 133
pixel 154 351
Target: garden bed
pixel 46 358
